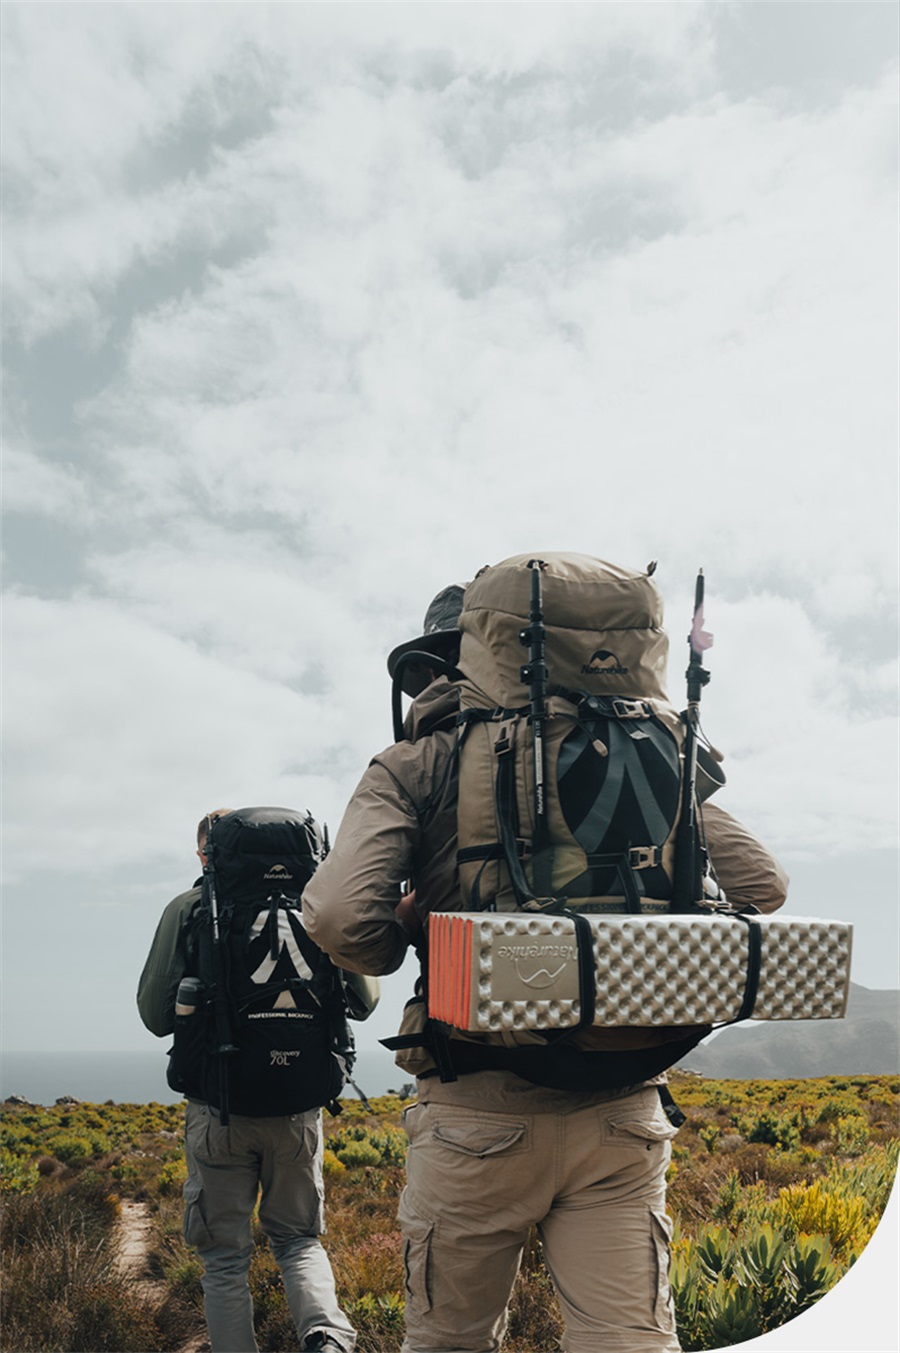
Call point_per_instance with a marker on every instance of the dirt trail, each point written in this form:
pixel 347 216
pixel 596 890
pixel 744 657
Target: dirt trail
pixel 133 1235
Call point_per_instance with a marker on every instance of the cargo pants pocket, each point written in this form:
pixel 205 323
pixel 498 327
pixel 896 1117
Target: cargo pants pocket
pixel 480 1139
pixel 417 1237
pixel 664 1311
pixel 196 1231
pixel 649 1130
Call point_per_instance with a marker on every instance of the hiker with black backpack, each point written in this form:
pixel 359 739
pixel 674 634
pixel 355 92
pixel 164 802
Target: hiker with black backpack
pixel 536 781
pixel 259 1015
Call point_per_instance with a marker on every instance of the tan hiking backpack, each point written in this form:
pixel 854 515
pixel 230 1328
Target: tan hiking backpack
pixel 570 773
pixel 571 762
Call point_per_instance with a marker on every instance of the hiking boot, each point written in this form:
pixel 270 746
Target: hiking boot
pixel 320 1342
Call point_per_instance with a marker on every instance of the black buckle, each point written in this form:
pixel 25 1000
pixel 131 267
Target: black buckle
pixel 631 709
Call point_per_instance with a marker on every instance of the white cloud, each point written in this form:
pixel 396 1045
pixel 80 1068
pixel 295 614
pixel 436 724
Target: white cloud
pixel 384 294
pixel 400 307
pixel 31 484
pixel 810 764
pixel 122 734
pixel 77 215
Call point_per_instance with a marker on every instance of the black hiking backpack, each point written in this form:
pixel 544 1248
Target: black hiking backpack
pixel 268 1032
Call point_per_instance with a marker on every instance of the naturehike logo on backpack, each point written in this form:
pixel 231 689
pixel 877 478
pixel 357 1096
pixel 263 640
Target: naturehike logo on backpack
pixel 604 663
pixel 279 872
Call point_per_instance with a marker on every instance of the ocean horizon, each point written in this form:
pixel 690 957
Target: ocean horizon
pixel 140 1077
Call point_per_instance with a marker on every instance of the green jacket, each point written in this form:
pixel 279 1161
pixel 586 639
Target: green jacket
pixel 166 965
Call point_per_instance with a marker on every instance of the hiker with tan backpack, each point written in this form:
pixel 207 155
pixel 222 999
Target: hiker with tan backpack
pixel 536 789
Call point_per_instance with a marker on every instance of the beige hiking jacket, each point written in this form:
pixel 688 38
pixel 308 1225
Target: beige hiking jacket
pixel 400 826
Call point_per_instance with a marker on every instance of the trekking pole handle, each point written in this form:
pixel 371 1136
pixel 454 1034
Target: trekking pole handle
pixel 698 641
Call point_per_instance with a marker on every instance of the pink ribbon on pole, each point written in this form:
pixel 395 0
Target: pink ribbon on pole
pixel 699 638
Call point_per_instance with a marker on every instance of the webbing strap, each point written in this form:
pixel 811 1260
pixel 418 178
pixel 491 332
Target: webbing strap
pixel 505 793
pixel 434 1038
pixel 398 1041
pixel 439 1047
pixel 496 714
pixel 670 1108
pixel 224 1115
pixel 493 851
pixel 629 887
pixel 274 936
pixel 587 986
pixel 754 963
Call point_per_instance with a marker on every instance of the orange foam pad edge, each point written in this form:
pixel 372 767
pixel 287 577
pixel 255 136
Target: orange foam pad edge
pixel 450 968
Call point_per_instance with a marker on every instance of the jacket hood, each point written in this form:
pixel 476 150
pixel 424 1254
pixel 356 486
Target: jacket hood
pixel 438 704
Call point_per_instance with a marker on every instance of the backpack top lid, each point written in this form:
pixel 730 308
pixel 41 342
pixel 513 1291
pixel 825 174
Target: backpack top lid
pixel 255 852
pixel 603 626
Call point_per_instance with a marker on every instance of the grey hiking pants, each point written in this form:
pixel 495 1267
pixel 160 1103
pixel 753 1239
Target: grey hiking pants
pixel 227 1167
pixel 593 1183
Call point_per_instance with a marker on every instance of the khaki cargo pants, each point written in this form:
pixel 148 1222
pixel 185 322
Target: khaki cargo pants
pixel 592 1182
pixel 279 1162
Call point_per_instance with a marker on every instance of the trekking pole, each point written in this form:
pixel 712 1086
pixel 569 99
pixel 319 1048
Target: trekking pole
pixel 535 674
pixel 687 884
pixel 226 1047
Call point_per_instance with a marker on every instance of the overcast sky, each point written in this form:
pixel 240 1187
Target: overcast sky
pixel 310 310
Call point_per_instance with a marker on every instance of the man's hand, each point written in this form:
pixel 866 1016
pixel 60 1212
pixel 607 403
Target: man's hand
pixel 406 914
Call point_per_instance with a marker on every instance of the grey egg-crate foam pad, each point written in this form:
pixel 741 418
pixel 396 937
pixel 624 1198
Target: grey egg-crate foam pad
pixel 509 971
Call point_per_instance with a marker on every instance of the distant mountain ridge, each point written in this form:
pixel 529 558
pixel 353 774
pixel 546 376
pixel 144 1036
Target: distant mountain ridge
pixel 865 1042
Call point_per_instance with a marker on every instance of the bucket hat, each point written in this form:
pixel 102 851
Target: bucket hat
pixel 440 637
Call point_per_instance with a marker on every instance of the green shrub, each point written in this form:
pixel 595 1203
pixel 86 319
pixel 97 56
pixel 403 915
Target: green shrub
pixel 359 1153
pixel 737 1202
pixel 731 1288
pixel 709 1136
pixel 125 1173
pixel 851 1134
pixel 172 1176
pixel 846 1220
pixel 17 1175
pixel 765 1222
pixel 378 1320
pixel 70 1148
pixel 331 1165
pixel 357 1145
pixel 772 1128
pixel 871 1176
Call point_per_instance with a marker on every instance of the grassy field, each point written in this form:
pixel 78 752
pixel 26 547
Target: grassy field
pixel 775 1189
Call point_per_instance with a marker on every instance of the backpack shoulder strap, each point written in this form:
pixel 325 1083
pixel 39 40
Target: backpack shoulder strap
pixel 189 930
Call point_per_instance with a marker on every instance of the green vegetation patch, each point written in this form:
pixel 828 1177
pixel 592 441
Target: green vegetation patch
pixel 775 1188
